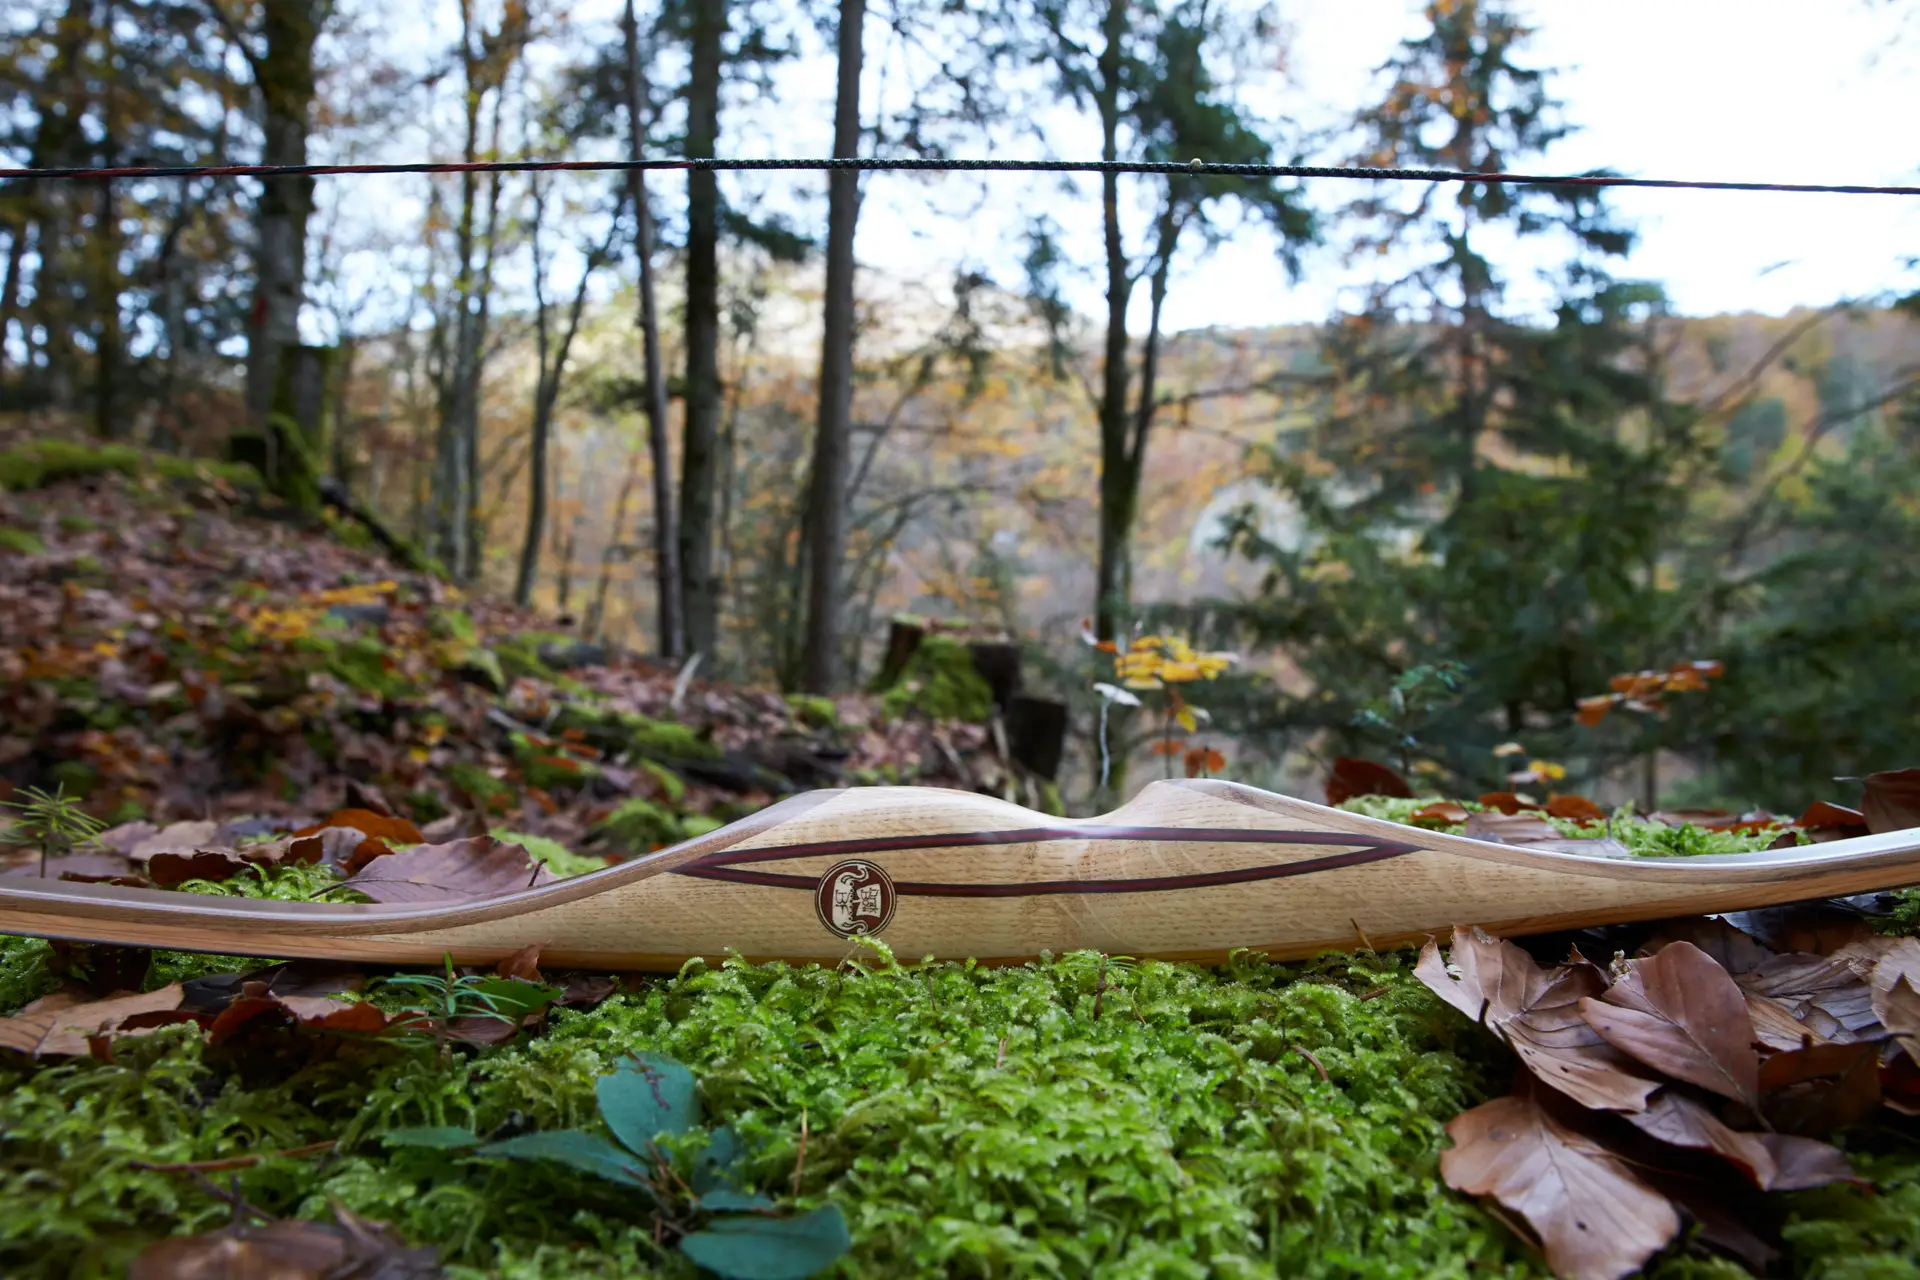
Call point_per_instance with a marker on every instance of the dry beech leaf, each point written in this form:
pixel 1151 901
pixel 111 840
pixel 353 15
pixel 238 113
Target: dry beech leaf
pixel 1596 1220
pixel 1772 1161
pixel 178 837
pixel 1730 948
pixel 1680 1013
pixel 477 867
pixel 1899 1011
pixel 60 1024
pixel 1506 802
pixel 1892 800
pixel 1576 807
pixel 1822 1089
pixel 1441 811
pixel 1800 1163
pixel 288 1250
pixel 1352 777
pixel 1679 1120
pixel 1776 1026
pixel 1804 983
pixel 1537 1012
pixel 523 964
pixel 378 826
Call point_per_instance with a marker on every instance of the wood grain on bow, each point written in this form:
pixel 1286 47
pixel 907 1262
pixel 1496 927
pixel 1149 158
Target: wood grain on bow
pixel 1186 870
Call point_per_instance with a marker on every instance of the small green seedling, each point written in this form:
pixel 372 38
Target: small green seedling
pixel 446 997
pixel 55 823
pixel 727 1230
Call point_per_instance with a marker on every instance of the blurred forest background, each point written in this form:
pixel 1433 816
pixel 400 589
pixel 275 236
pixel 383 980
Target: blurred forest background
pixel 681 415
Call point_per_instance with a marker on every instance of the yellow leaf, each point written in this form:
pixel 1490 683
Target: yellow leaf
pixel 1186 719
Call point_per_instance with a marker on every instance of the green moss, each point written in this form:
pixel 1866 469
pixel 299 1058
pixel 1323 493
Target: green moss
pixel 1073 1117
pixel 939 682
pixel 551 854
pixel 1051 801
pixel 452 624
pixel 670 782
pixel 628 733
pixel 481 787
pixel 814 711
pixel 479 665
pixel 639 825
pixel 25 974
pixel 360 662
pixel 73 522
pixel 1642 838
pixel 22 542
pixel 550 768
pixel 519 656
pixel 239 474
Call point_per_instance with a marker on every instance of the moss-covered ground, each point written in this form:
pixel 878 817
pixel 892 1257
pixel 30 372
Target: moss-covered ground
pixel 1080 1116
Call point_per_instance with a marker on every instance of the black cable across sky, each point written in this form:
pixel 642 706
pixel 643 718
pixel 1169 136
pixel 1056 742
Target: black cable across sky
pixel 873 165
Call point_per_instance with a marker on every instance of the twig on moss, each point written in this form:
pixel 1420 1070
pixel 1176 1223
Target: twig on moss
pixel 800 1161
pixel 1306 1053
pixel 232 1162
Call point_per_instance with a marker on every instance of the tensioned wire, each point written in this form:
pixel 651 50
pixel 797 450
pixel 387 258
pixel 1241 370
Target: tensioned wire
pixel 1200 168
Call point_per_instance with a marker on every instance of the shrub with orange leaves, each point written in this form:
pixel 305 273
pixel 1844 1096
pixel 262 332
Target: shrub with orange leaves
pixel 1642 691
pixel 1161 664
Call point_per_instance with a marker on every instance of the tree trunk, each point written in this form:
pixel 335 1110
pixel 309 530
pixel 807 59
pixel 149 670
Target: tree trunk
pixel 46 202
pixel 665 536
pixel 1113 572
pixel 697 458
pixel 284 76
pixel 827 515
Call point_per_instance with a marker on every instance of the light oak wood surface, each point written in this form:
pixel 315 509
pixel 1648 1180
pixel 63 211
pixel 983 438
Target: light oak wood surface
pixel 1189 870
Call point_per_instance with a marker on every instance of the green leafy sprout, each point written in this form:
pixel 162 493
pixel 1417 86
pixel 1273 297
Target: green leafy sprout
pixel 55 823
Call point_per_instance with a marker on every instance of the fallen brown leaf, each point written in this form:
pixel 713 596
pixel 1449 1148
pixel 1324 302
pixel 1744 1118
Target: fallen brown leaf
pixel 173 839
pixel 1537 1012
pixel 1680 1013
pixel 1806 983
pixel 1676 1119
pixel 315 1013
pixel 1595 1219
pixel 1776 1026
pixel 1898 1009
pixel 1892 800
pixel 477 867
pixel 1733 950
pixel 1822 1089
pixel 523 964
pixel 60 1024
pixel 1506 802
pixel 1441 811
pixel 1352 777
pixel 378 826
pixel 1576 807
pixel 288 1250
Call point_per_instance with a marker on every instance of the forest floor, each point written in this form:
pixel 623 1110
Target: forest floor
pixel 213 677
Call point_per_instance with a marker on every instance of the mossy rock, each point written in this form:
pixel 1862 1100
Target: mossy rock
pixel 813 710
pixel 478 665
pixel 639 826
pixel 940 683
pixel 22 542
pixel 39 463
pixel 630 733
pixel 670 782
pixel 520 656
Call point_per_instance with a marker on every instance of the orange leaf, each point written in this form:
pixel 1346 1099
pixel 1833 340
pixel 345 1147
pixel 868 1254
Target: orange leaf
pixel 1167 747
pixel 369 823
pixel 1594 710
pixel 1577 807
pixel 1441 811
pixel 1506 802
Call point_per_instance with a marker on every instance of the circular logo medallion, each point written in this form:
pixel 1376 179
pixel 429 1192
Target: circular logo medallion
pixel 854 899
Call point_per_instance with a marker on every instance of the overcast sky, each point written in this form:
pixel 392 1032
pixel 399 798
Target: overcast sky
pixel 1786 90
pixel 1783 90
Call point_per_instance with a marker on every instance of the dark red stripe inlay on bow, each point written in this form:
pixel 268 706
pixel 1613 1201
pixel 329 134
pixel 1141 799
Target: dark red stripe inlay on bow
pixel 727 864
